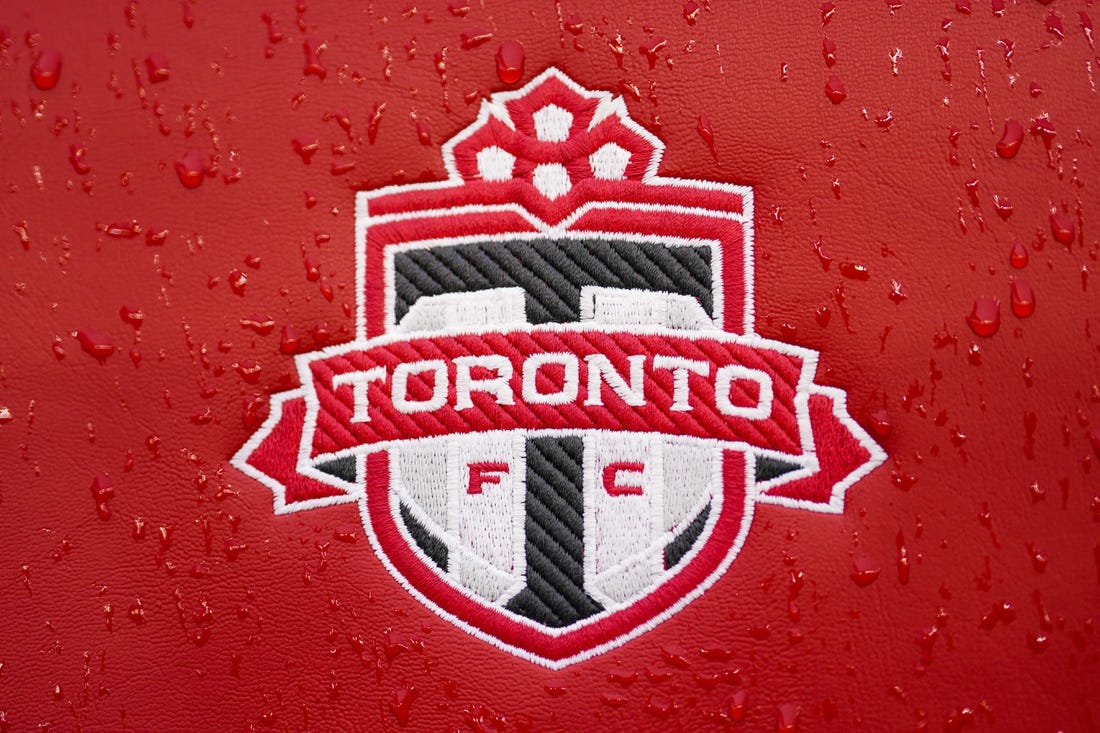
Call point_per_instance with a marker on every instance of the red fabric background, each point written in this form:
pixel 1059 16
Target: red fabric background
pixel 194 607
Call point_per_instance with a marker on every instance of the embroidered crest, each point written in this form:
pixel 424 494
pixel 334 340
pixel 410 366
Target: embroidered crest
pixel 556 417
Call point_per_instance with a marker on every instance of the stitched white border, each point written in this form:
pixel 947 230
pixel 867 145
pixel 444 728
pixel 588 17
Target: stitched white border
pixel 735 549
pixel 240 461
pixel 607 105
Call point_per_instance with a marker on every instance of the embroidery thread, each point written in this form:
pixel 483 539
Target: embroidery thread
pixel 556 418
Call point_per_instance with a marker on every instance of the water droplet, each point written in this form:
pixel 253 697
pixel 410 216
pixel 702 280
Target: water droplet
pixel 985 317
pixel 305 146
pixel 157 66
pixel 1039 559
pixel 854 271
pixel 786 716
pixel 77 153
pixel 249 370
pixel 828 51
pixel 5 415
pixel 972 185
pixel 1010 140
pixel 834 90
pixel 156 236
pixel 375 119
pixel 132 314
pixel 475 38
pixel 190 169
pixel 703 127
pixel 675 656
pixel 1023 298
pixel 423 132
pixel 958 719
pixel 864 571
pixel 1062 227
pixel 338 169
pixel 46 69
pixel 903 563
pixel 510 58
pixel 881 425
pixel 1044 128
pixel 1002 612
pixel 237 281
pixel 103 489
pixel 348 533
pixel 122 229
pixel 760 632
pixel 1055 27
pixel 95 343
pixel 342 117
pixel 1038 641
pixel 736 707
pixel 651 49
pixel 262 325
pixel 313 65
pixel 320 333
pixel 1018 257
pixel 1002 206
pixel 401 701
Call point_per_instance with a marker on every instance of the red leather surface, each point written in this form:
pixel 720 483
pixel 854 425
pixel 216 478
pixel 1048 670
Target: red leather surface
pixel 147 585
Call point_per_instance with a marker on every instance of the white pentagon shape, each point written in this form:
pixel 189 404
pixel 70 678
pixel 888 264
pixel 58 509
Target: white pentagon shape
pixel 552 124
pixel 609 162
pixel 551 180
pixel 495 164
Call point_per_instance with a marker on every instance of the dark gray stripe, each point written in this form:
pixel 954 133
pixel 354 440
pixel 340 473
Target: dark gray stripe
pixel 554 526
pixel 769 468
pixel 552 272
pixel 342 468
pixel 428 543
pixel 683 542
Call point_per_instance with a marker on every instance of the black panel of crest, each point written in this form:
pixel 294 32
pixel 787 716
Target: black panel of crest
pixel 428 543
pixel 679 546
pixel 769 468
pixel 554 525
pixel 342 468
pixel 552 272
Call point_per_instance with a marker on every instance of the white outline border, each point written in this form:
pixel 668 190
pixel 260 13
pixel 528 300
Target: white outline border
pixel 607 105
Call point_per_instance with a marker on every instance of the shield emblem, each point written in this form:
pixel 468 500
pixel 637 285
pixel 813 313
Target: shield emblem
pixel 556 418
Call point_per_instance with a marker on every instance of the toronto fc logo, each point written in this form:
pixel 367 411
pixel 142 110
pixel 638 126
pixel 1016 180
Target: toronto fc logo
pixel 556 417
